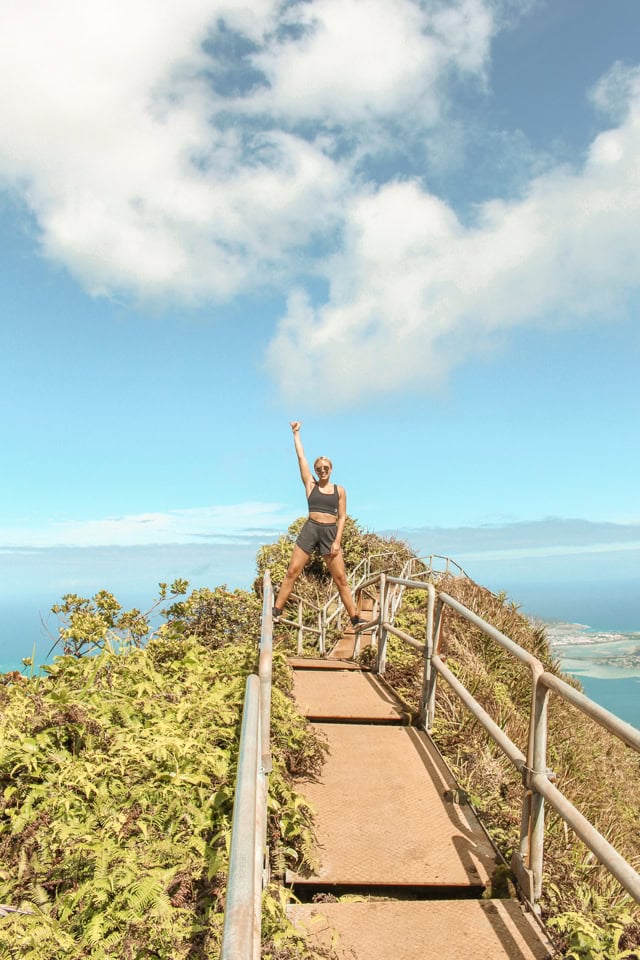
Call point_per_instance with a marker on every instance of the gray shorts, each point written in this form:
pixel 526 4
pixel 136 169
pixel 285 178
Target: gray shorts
pixel 316 535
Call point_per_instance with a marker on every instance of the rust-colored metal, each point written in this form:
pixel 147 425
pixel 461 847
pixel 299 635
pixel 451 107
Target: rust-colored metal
pixel 383 817
pixel 350 643
pixel 315 663
pixel 387 817
pixel 345 647
pixel 415 930
pixel 345 695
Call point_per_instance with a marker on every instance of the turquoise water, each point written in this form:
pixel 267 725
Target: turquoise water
pixel 607 663
pixel 594 630
pixel 620 696
pixel 22 630
pixel 30 629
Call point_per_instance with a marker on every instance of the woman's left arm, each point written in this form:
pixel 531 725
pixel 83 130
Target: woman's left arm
pixel 342 516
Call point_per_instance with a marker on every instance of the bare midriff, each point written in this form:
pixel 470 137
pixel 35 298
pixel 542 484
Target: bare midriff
pixel 325 518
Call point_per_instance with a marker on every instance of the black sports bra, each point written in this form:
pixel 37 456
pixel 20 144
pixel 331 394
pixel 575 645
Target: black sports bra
pixel 323 502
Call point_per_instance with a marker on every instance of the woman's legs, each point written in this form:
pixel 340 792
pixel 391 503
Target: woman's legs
pixel 296 565
pixel 335 566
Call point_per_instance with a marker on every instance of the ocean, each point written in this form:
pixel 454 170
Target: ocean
pixel 26 629
pixel 607 663
pixel 29 629
pixel 606 659
pixel 594 631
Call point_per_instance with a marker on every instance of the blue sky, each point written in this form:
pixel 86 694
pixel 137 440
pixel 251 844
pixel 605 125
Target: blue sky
pixel 412 225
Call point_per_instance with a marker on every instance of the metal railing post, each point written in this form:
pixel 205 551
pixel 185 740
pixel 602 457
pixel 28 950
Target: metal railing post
pixel 265 672
pixel 538 754
pixel 435 648
pixel 260 843
pixel 375 615
pixel 238 936
pixel 520 857
pixel 526 862
pixel 382 636
pixel 300 631
pixel 427 702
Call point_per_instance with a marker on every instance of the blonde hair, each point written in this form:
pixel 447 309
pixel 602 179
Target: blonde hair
pixel 319 460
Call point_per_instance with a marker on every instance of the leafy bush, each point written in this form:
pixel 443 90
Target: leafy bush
pixel 585 940
pixel 117 775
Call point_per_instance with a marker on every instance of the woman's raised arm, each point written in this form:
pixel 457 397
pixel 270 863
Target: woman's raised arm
pixel 305 471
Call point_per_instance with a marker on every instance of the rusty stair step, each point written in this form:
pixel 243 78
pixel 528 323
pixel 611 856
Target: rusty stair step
pixel 346 694
pixel 406 930
pixel 324 663
pixel 382 817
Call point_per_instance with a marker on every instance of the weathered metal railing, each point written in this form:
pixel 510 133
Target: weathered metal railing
pixel 248 865
pixel 329 611
pixel 527 861
pixel 359 578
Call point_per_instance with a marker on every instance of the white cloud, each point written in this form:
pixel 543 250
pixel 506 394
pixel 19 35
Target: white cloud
pixel 234 523
pixel 414 291
pixel 355 60
pixel 553 536
pixel 203 148
pixel 147 175
pixel 615 89
pixel 112 146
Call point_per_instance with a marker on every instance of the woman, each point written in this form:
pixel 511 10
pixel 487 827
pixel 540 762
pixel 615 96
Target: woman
pixel 323 530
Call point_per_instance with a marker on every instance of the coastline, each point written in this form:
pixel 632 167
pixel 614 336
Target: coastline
pixel 607 664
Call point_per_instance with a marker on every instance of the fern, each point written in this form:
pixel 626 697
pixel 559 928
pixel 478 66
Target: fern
pixel 586 940
pixel 146 893
pixel 118 779
pixel 95 929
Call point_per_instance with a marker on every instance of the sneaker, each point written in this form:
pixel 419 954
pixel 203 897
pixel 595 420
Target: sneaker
pixel 276 614
pixel 357 622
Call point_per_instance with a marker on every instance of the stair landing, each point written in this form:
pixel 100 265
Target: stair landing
pixel 327 693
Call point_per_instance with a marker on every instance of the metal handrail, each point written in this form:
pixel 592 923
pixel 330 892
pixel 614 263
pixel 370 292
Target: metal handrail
pixel 303 628
pixel 527 861
pixel 363 570
pixel 325 617
pixel 451 568
pixel 248 866
pixel 428 562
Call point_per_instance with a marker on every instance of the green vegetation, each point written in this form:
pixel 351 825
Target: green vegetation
pixel 117 778
pixel 118 768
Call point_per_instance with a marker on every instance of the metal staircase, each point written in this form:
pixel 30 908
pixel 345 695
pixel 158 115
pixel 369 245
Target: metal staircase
pixel 389 812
